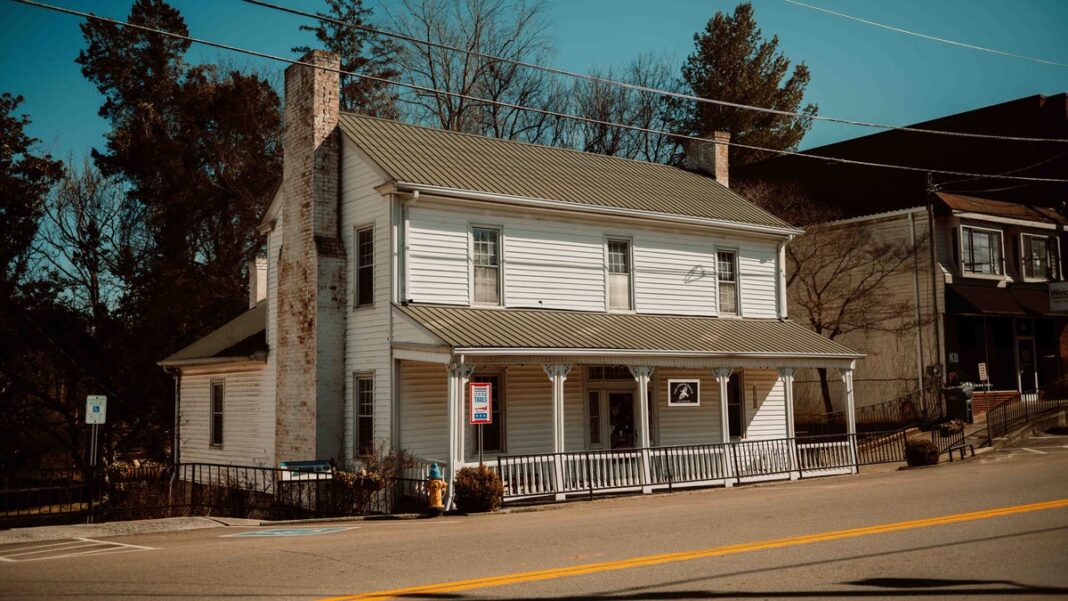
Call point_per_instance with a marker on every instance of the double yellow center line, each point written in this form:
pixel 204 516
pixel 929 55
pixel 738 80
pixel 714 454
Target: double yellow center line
pixel 651 560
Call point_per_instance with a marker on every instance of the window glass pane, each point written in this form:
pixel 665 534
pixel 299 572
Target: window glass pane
pixel 365 411
pixel 727 275
pixel 618 256
pixel 217 391
pixel 1036 257
pixel 618 274
pixel 487 266
pixel 365 267
pixel 594 402
pixel 735 407
pixel 982 251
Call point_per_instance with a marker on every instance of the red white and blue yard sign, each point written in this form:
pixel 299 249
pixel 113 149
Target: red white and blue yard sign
pixel 481 403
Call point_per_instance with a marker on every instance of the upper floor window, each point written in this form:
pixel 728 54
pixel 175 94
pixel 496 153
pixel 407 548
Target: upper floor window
pixel 1039 256
pixel 218 390
pixel 981 251
pixel 487 258
pixel 619 275
pixel 365 267
pixel 727 275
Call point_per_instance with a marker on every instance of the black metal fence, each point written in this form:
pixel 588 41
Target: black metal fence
pixel 1023 408
pixel 200 489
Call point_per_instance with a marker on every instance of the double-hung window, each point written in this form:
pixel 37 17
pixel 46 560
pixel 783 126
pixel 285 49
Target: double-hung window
pixel 1039 257
pixel 365 266
pixel 487 260
pixel 619 275
pixel 364 390
pixel 727 277
pixel 981 251
pixel 218 391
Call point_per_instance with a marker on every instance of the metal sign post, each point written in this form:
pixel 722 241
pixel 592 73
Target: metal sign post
pixel 481 395
pixel 96 412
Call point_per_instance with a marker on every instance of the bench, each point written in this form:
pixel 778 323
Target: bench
pixel 318 469
pixel 962 447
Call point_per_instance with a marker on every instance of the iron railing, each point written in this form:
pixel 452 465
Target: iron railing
pixel 1023 408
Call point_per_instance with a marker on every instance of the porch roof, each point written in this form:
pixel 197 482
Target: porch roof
pixel 239 339
pixel 541 330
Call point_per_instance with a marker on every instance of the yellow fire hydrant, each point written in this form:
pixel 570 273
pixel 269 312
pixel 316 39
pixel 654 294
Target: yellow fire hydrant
pixel 435 487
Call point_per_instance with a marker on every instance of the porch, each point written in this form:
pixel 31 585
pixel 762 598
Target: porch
pixel 574 420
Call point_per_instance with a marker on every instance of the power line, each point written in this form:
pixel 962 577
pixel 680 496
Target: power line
pixel 641 88
pixel 546 112
pixel 1010 171
pixel 926 36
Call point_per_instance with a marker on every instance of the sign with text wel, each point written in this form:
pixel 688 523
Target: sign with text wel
pixel 481 403
pixel 1058 296
pixel 96 409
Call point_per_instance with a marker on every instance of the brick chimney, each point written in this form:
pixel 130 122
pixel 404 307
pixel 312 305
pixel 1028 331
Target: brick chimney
pixel 257 281
pixel 309 411
pixel 710 158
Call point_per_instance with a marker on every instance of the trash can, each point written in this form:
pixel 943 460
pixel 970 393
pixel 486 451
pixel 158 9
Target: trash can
pixel 958 403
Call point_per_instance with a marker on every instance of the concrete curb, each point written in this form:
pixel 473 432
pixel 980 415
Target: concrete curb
pixel 109 529
pixel 1059 418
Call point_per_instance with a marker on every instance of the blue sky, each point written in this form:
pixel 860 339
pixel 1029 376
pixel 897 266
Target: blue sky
pixel 858 72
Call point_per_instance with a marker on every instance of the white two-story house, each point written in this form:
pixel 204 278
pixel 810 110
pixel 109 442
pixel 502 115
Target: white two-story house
pixel 618 309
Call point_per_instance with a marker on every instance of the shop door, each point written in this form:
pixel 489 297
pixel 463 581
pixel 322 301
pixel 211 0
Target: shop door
pixel 1025 360
pixel 621 419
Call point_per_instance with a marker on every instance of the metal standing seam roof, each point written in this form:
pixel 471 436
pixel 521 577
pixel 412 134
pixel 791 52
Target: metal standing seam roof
pixel 472 163
pixel 462 327
pixel 241 337
pixel 1000 208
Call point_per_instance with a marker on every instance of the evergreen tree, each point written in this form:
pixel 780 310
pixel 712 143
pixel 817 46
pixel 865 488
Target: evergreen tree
pixel 362 52
pixel 732 61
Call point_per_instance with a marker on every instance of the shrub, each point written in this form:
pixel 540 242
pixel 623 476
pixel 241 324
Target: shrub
pixel 478 489
pixel 921 452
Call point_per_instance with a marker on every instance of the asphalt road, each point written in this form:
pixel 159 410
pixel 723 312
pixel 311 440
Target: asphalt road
pixel 809 539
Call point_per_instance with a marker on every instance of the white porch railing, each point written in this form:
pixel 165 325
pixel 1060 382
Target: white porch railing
pixel 593 472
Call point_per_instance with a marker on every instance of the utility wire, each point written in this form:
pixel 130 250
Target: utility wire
pixel 1010 171
pixel 641 88
pixel 926 36
pixel 556 114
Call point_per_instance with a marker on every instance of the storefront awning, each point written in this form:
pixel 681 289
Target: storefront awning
pixel 547 331
pixel 973 298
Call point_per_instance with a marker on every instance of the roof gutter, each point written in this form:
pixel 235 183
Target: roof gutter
pixel 526 201
pixel 212 361
pixel 488 352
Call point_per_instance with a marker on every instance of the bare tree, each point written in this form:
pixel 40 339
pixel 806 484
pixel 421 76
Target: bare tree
pixel 616 104
pixel 87 237
pixel 841 278
pixel 514 29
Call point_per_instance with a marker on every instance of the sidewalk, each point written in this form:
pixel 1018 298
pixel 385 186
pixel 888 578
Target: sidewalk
pixel 46 533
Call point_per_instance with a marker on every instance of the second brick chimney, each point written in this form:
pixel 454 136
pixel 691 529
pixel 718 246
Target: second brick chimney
pixel 309 406
pixel 710 158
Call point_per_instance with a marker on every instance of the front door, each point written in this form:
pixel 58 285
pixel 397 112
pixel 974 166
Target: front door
pixel 621 419
pixel 1025 356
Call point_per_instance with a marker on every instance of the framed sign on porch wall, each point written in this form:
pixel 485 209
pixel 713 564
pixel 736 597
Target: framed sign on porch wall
pixel 684 393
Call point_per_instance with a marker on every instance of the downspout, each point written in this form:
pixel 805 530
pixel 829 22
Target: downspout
pixel 780 278
pixel 916 300
pixel 934 279
pixel 176 373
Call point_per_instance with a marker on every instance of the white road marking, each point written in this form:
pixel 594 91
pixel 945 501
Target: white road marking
pixel 1033 451
pixel 77 547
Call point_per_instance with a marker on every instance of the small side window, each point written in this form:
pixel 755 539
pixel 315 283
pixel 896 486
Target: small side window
pixel 365 266
pixel 218 391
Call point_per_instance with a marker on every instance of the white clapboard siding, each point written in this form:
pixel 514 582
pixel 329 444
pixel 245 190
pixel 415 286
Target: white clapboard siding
pixel 757 271
pixel 248 430
pixel 268 400
pixel 407 330
pixel 674 274
pixel 367 344
pixel 437 256
pixel 768 418
pixel 687 425
pixel 423 405
pixel 528 410
pixel 559 264
pixel 553 266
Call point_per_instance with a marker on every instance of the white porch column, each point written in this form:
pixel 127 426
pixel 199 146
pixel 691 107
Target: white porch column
pixel 558 373
pixel 787 375
pixel 851 418
pixel 642 374
pixel 723 376
pixel 457 381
